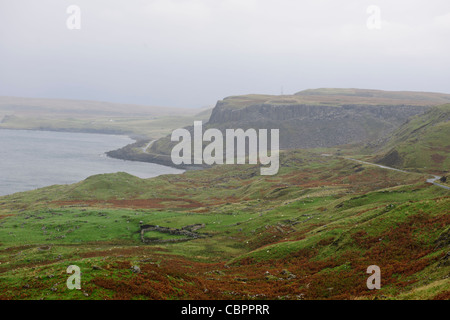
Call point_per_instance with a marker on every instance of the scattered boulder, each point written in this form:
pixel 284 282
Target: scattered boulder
pixel 289 275
pixel 271 278
pixel 135 269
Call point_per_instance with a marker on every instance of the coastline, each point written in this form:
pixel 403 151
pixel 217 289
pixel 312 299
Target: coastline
pixel 126 152
pixel 46 179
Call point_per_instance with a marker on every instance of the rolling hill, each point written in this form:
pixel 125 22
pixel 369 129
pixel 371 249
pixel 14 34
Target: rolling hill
pixel 422 143
pixel 309 232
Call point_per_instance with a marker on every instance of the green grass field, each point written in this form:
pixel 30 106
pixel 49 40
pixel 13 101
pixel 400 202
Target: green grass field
pixel 316 225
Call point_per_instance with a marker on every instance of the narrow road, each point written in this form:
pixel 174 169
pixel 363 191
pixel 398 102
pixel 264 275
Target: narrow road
pixel 145 148
pixel 432 180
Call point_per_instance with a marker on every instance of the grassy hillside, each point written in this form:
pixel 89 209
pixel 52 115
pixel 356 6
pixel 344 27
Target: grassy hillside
pixel 309 232
pixel 422 143
pixel 378 96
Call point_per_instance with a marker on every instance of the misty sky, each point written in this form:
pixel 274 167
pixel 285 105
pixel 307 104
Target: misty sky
pixel 190 53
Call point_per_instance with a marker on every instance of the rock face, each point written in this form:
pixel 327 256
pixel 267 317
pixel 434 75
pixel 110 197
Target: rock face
pixel 310 126
pixel 258 112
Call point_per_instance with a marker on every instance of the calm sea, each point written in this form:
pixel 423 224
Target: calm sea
pixel 35 159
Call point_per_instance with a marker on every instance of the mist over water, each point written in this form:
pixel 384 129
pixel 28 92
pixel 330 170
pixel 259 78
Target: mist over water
pixel 34 159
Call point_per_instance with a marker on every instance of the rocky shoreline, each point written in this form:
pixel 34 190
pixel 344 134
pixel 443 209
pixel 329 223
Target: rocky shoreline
pixel 133 152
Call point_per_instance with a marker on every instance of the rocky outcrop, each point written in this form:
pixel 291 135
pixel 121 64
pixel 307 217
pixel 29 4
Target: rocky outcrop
pixel 391 159
pixel 311 126
pixel 392 113
pixel 188 232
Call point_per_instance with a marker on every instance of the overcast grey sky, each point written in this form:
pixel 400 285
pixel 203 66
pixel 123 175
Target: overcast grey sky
pixel 190 53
